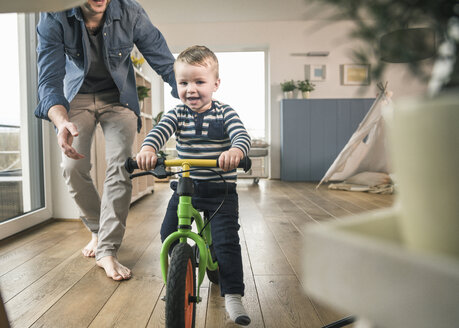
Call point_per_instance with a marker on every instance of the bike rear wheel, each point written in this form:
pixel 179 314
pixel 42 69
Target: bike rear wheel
pixel 181 288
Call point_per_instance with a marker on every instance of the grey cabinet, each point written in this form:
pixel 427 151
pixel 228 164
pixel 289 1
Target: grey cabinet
pixel 314 131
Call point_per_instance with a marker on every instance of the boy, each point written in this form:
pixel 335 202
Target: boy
pixel 206 128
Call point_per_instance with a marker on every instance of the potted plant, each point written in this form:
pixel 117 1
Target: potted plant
pixel 287 88
pixel 142 93
pixel 305 86
pixel 403 31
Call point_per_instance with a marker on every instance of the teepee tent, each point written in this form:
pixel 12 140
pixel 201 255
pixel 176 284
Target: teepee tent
pixel 366 149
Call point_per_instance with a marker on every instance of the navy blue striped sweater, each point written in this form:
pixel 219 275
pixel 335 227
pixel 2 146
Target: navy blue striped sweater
pixel 202 135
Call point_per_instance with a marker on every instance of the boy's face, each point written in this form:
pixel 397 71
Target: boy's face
pixel 195 85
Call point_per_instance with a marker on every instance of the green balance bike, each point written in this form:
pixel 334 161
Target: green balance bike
pixel 179 274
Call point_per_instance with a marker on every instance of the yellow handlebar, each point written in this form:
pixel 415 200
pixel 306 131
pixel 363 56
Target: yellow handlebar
pixel 187 163
pixel 191 162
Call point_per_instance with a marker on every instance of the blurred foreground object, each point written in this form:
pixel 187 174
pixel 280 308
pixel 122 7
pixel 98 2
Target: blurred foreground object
pixel 22 6
pixel 416 33
pixel 361 265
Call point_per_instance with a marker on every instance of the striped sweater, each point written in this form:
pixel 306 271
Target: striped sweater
pixel 202 135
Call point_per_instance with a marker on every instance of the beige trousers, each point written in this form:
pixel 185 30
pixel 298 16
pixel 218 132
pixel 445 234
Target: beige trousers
pixel 104 216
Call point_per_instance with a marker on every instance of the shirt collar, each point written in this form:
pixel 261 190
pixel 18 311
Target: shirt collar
pixel 203 113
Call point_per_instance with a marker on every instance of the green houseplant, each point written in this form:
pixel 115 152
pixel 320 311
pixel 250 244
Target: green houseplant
pixel 305 86
pixel 287 88
pixel 405 31
pixel 142 92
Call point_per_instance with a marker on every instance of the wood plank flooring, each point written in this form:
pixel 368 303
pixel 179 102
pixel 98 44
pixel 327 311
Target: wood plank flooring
pixel 45 281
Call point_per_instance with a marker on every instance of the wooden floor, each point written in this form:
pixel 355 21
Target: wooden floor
pixel 46 282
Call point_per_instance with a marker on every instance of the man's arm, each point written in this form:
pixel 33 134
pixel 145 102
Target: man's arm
pixel 51 66
pixel 153 47
pixel 53 105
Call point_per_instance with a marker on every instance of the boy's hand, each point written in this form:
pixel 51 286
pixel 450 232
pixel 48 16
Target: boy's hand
pixel 229 160
pixel 146 159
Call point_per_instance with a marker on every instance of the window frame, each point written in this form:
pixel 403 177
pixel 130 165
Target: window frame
pixel 32 127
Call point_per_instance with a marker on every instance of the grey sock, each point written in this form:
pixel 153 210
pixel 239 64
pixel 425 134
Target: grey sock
pixel 234 307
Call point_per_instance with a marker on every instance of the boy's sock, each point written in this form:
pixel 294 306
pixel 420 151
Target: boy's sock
pixel 236 310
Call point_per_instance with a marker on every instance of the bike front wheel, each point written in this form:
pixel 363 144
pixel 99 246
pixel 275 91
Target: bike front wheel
pixel 181 288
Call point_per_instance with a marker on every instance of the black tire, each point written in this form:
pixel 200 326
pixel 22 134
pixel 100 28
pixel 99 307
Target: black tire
pixel 196 254
pixel 212 275
pixel 179 307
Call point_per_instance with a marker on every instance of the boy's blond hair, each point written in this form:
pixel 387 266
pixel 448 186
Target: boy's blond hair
pixel 199 55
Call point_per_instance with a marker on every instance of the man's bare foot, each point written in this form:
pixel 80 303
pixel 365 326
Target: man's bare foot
pixel 90 249
pixel 113 268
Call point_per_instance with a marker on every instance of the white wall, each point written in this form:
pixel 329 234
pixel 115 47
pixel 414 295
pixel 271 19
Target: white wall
pixel 280 39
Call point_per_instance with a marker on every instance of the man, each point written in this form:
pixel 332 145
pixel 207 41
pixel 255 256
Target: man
pixel 85 78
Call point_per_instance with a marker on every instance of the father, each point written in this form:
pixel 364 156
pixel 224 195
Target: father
pixel 85 78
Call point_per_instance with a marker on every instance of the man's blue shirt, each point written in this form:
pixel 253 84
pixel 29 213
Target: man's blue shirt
pixel 63 47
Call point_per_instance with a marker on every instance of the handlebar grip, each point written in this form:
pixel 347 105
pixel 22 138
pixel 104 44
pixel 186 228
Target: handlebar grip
pixel 245 163
pixel 130 165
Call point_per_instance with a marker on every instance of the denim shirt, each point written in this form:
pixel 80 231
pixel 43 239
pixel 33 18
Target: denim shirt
pixel 63 50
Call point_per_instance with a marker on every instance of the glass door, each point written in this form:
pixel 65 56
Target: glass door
pixel 22 167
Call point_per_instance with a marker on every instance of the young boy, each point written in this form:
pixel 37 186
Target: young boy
pixel 206 128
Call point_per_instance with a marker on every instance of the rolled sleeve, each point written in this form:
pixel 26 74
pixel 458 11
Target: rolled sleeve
pixel 49 101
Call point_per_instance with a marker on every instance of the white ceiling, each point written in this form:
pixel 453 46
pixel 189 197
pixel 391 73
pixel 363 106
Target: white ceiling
pixel 202 11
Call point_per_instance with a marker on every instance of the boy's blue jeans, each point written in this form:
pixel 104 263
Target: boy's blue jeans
pixel 207 197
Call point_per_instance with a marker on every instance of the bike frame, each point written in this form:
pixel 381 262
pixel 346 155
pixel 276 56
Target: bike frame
pixel 186 213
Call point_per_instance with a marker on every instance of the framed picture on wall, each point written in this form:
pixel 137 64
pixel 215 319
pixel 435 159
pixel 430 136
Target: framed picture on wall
pixel 315 72
pixel 355 74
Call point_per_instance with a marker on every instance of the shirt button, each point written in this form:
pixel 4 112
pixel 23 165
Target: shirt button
pixel 105 34
pixel 120 54
pixel 78 54
pixel 127 104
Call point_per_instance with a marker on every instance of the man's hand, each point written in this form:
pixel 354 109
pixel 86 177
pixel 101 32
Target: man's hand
pixel 66 131
pixel 229 160
pixel 146 159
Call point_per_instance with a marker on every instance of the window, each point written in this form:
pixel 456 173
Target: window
pixel 22 193
pixel 243 85
pixel 11 198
